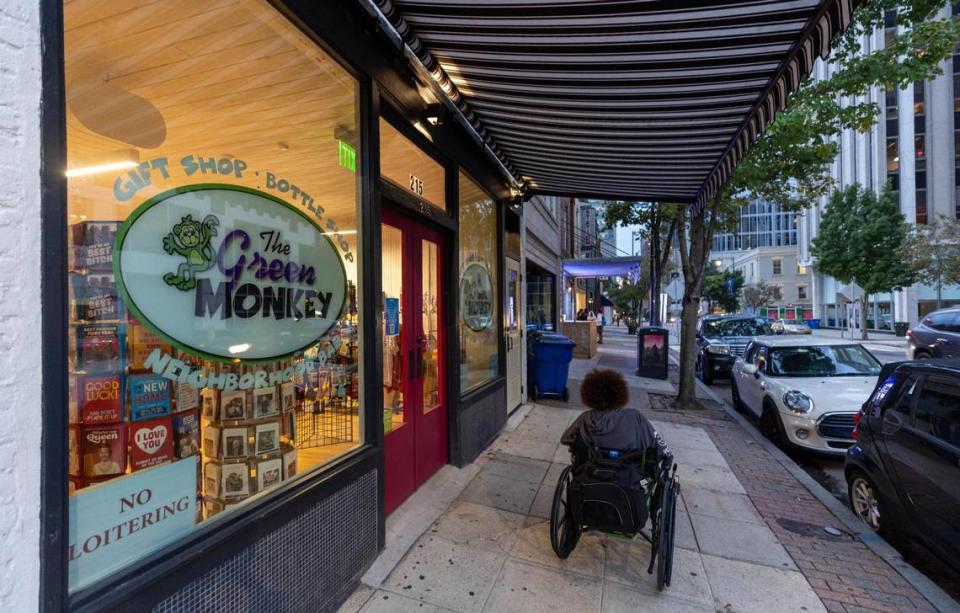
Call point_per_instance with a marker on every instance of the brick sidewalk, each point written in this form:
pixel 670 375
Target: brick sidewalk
pixel 847 576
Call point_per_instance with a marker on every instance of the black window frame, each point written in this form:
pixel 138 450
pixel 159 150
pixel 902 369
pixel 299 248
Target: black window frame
pixel 149 579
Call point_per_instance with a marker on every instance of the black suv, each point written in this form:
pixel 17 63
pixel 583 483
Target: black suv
pixel 721 339
pixel 936 336
pixel 903 475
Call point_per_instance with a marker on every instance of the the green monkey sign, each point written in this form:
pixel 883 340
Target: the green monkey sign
pixel 227 272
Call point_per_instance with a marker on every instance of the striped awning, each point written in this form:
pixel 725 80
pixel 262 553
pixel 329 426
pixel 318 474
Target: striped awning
pixel 641 99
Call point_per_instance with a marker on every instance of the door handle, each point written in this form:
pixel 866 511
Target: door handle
pixel 942 340
pixel 891 423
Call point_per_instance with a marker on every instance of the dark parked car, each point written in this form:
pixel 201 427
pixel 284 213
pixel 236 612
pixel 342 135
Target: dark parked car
pixel 721 339
pixel 936 336
pixel 903 474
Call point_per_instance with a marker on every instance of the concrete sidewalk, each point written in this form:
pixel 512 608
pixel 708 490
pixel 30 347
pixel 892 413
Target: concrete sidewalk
pixel 750 537
pixel 490 549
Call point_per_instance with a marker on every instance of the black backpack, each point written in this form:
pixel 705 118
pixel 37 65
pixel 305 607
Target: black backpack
pixel 610 490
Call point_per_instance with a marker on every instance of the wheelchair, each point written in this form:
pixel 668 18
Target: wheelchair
pixel 617 492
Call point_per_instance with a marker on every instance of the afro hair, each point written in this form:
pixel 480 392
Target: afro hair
pixel 604 389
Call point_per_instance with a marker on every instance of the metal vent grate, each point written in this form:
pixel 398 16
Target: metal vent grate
pixel 300 566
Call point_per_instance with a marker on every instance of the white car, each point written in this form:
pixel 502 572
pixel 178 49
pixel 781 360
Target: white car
pixel 805 391
pixel 790 326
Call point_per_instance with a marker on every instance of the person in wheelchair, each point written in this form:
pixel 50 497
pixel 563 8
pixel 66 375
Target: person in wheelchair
pixel 620 476
pixel 609 425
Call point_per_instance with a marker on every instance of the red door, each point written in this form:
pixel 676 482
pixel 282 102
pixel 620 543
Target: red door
pixel 414 394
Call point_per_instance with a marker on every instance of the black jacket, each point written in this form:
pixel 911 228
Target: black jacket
pixel 620 429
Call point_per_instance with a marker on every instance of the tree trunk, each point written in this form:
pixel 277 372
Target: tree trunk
pixel 864 304
pixel 694 261
pixel 686 396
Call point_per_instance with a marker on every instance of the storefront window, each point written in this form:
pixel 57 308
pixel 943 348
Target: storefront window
pixel 212 210
pixel 479 354
pixel 410 168
pixel 540 297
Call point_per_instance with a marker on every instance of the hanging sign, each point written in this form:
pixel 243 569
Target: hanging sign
pixel 476 297
pixel 227 272
pixel 391 316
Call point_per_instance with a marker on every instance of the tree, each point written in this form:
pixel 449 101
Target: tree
pixel 933 253
pixel 658 225
pixel 628 300
pixel 789 162
pixel 723 288
pixel 761 294
pixel 862 239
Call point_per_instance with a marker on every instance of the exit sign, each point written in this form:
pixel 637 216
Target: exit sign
pixel 347 155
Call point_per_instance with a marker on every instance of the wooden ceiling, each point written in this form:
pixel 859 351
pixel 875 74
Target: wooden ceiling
pixel 218 78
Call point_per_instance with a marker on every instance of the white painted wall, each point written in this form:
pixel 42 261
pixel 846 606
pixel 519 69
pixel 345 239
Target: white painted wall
pixel 20 306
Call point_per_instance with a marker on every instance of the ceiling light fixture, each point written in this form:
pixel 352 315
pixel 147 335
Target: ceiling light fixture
pixel 93 170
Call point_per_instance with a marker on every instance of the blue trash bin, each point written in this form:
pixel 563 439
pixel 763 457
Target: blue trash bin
pixel 549 358
pixel 814 324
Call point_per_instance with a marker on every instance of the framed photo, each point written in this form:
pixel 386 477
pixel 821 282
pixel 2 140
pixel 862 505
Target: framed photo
pixel 290 464
pixel 234 442
pixel 269 474
pixel 288 396
pixel 268 437
pixel 235 480
pixel 233 405
pixel 265 402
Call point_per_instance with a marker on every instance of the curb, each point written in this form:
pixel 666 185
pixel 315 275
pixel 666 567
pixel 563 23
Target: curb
pixel 927 588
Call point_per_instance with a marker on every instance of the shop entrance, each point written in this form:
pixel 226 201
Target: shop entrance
pixel 513 334
pixel 414 365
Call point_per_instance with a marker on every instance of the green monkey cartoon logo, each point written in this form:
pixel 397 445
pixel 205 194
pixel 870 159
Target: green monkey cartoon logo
pixel 191 239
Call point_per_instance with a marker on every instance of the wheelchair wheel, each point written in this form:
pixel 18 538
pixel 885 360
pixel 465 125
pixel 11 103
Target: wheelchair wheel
pixel 564 533
pixel 668 514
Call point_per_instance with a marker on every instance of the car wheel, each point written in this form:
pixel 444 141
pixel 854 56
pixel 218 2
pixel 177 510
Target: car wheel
pixel 772 427
pixel 703 370
pixel 735 395
pixel 922 355
pixel 865 500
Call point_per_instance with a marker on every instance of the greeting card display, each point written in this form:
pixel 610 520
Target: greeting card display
pixel 104 450
pixel 233 405
pixel 235 480
pixel 73 450
pixel 288 396
pixel 186 434
pixel 208 404
pixel 290 464
pixel 211 479
pixel 95 297
pixel 234 443
pixel 100 398
pixel 100 347
pixel 151 443
pixel 211 442
pixel 93 244
pixel 142 343
pixel 187 396
pixel 269 474
pixel 149 396
pixel 268 437
pixel 265 402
